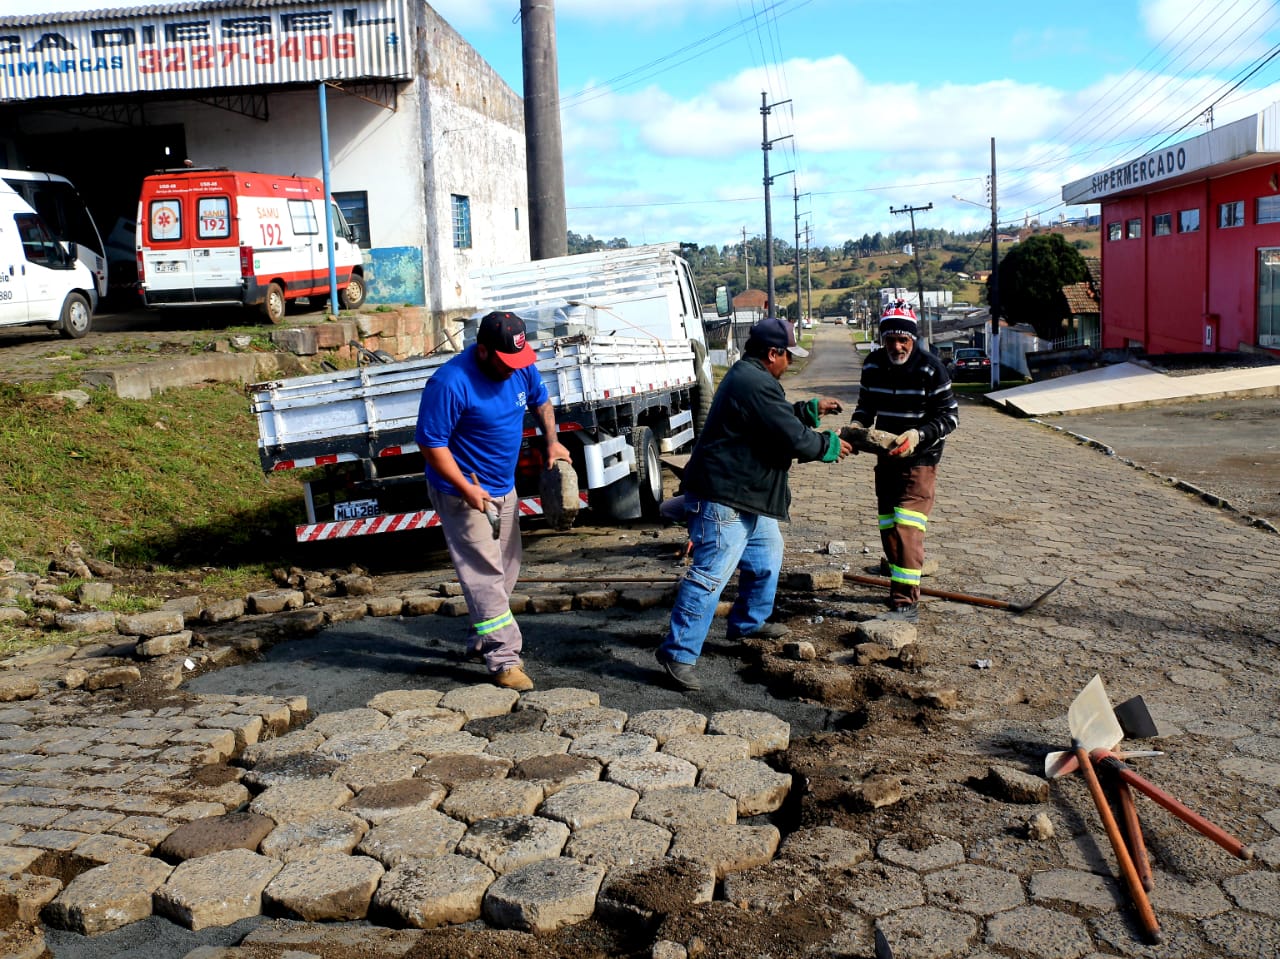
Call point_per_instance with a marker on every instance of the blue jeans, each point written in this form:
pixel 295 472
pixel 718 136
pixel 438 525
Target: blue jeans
pixel 724 539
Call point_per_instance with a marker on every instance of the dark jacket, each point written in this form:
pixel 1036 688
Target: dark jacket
pixel 751 437
pixel 914 396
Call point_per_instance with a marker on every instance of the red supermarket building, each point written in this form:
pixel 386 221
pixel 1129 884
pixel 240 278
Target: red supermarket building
pixel 1191 241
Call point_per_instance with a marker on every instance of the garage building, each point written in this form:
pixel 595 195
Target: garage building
pixel 425 141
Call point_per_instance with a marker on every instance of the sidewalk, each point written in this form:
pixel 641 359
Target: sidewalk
pixel 908 818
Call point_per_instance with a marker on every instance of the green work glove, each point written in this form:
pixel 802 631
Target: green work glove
pixel 832 452
pixel 811 415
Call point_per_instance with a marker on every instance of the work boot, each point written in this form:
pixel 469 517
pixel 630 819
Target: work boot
pixel 513 677
pixel 901 614
pixel 767 631
pixel 681 674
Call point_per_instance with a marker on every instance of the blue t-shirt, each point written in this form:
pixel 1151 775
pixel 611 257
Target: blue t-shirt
pixel 480 420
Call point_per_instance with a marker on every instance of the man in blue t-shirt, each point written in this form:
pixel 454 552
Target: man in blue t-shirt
pixel 470 426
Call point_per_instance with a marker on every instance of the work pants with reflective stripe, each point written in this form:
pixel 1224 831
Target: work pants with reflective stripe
pixel 904 499
pixel 488 569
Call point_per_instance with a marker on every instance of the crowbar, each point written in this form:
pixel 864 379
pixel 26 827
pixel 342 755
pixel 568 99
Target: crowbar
pixel 963 597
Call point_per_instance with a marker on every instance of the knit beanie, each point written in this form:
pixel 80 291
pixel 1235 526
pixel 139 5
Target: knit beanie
pixel 899 318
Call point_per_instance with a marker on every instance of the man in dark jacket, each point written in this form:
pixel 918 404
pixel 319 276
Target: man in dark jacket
pixel 905 391
pixel 736 490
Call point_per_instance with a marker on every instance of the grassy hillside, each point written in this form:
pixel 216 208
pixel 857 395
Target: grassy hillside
pixel 835 282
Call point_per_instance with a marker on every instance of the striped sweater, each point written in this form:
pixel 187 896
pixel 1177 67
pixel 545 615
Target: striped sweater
pixel 914 396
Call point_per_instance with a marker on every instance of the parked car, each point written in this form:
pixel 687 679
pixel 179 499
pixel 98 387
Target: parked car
pixel 970 364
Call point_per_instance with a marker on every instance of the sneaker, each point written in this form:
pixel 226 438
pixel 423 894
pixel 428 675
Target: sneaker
pixel 681 674
pixel 901 614
pixel 767 631
pixel 513 677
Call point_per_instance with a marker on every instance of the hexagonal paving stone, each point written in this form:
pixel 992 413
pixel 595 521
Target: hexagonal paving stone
pixel 936 855
pixel 687 807
pixel 588 804
pixel 620 842
pixel 511 842
pixel 443 890
pixel 328 887
pixel 491 799
pixel 543 896
pixel 417 835
pixel 1039 933
pixel 926 932
pixel 980 890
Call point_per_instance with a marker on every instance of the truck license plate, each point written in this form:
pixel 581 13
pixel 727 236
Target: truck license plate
pixel 167 266
pixel 355 509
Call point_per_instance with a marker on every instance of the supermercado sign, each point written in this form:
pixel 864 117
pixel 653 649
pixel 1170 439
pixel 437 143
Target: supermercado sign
pixel 1249 136
pixel 198 49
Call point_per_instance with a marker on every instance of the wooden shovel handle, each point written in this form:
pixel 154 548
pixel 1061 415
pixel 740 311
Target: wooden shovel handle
pixel 1146 916
pixel 1197 822
pixel 1133 830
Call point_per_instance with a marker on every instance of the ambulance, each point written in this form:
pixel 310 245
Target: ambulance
pixel 213 236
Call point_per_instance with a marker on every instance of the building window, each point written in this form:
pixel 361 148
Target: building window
pixel 461 222
pixel 303 217
pixel 1114 231
pixel 1133 228
pixel 1162 224
pixel 1268 210
pixel 1188 221
pixel 355 210
pixel 1231 214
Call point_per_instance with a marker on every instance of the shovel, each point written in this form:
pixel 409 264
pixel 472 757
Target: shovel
pixel 1094 726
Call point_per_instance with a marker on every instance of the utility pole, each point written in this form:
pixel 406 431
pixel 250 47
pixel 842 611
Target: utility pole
pixel 915 249
pixel 766 145
pixel 798 195
pixel 544 149
pixel 993 304
pixel 746 261
pixel 808 272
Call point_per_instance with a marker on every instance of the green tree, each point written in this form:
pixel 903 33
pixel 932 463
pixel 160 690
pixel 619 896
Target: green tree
pixel 1032 275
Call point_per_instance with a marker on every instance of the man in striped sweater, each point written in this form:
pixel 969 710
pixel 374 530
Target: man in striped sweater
pixel 905 390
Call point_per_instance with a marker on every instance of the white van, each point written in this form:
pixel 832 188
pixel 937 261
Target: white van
pixel 42 283
pixel 64 213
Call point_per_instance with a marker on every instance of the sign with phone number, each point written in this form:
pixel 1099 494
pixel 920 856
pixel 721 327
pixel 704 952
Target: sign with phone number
pixel 208 56
pixel 291 43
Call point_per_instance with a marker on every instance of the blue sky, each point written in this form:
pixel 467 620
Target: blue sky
pixel 892 103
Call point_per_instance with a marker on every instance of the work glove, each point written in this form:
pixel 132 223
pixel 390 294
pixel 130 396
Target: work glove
pixel 835 446
pixel 905 444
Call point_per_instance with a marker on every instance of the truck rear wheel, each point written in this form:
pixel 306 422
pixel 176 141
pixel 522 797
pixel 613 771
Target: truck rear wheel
pixel 648 471
pixel 273 307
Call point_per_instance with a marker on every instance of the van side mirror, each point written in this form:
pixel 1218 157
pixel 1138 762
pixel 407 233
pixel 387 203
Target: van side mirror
pixel 351 234
pixel 71 253
pixel 723 307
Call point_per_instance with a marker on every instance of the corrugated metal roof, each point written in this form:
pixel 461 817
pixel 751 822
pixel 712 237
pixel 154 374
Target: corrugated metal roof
pixel 150 10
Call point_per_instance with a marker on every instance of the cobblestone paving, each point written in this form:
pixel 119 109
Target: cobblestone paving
pixel 477 802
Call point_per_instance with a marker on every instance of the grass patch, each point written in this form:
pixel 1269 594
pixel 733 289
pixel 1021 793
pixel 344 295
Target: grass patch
pixel 172 481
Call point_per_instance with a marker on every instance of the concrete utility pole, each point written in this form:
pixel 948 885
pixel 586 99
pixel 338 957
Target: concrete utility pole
pixel 746 262
pixel 795 191
pixel 766 145
pixel 915 250
pixel 993 304
pixel 544 149
pixel 808 272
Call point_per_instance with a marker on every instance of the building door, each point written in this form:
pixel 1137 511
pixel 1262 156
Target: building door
pixel 1269 297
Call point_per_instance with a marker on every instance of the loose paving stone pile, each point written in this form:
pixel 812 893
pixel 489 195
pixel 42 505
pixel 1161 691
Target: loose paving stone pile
pixel 370 812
